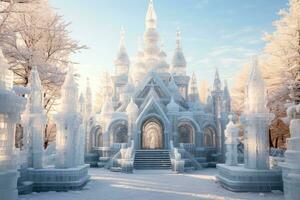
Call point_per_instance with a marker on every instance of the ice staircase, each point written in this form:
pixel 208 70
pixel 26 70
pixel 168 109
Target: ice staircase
pixel 152 159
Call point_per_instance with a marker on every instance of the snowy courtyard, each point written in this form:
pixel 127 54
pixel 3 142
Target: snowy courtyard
pixel 152 185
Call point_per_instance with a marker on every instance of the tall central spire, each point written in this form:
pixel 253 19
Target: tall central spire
pixel 151 16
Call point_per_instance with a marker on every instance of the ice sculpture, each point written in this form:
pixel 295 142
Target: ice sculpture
pixel 232 135
pixel 69 172
pixel 37 120
pixel 255 175
pixel 11 106
pixel 291 166
pixel 68 122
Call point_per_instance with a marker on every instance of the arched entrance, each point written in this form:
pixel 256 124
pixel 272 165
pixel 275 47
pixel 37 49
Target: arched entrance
pixel 185 132
pixel 152 134
pixel 209 137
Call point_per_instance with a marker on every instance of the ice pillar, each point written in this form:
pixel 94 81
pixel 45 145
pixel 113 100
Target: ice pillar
pixel 256 120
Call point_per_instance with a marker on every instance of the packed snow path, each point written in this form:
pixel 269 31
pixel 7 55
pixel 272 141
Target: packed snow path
pixel 151 185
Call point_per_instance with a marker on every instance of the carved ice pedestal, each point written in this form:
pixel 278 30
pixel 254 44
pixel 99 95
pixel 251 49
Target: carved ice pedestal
pixel 52 179
pixel 291 166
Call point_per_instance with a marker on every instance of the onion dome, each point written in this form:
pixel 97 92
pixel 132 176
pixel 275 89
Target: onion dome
pixel 132 107
pixel 173 106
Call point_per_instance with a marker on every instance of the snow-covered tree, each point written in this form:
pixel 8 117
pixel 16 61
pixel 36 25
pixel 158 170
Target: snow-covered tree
pixel 34 35
pixel 281 67
pixel 39 37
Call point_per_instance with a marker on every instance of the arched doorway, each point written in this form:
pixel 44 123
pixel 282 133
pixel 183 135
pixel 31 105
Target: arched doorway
pixel 152 134
pixel 209 137
pixel 120 132
pixel 185 132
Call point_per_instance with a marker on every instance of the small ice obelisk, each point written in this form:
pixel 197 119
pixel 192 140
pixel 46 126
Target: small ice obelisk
pixel 231 142
pixel 257 119
pixel 68 122
pixel 37 119
pixel 11 106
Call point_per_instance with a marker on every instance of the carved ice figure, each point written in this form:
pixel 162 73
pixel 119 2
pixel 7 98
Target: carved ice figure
pixel 231 134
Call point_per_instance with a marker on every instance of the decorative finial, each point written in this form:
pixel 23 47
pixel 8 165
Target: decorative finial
pixel 178 38
pixel 122 37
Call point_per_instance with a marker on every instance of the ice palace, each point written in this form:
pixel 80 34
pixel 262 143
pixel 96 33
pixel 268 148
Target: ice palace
pixel 151 119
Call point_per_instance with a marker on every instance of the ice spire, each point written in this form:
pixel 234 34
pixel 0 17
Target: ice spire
pixel 217 82
pixel 36 92
pixel 88 97
pixel 81 101
pixel 226 98
pixel 255 90
pixel 122 61
pixel 178 61
pixel 69 93
pixel 178 39
pixel 193 89
pixel 151 17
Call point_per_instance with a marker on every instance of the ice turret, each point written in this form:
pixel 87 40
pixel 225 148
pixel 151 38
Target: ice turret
pixel 68 122
pixel 193 89
pixel 37 120
pixel 151 39
pixel 122 61
pixel 178 62
pixel 217 82
pixel 226 99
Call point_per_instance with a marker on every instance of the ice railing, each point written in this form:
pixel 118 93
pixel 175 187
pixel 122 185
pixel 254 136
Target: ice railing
pixel 124 158
pixel 176 161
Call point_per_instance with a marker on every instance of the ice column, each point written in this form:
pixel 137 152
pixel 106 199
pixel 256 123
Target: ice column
pixel 231 134
pixel 256 120
pixel 68 122
pixel 10 108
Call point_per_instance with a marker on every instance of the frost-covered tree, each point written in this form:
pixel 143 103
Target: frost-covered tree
pixel 39 37
pixel 34 35
pixel 281 67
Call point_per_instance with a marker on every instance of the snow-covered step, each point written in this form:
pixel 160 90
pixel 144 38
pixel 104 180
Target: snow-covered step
pixel 152 159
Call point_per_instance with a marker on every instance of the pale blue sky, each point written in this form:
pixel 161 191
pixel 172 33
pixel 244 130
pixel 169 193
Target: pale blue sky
pixel 215 33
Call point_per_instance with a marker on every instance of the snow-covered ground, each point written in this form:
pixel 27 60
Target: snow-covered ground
pixel 152 185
